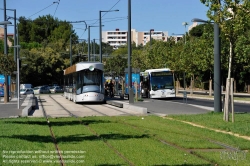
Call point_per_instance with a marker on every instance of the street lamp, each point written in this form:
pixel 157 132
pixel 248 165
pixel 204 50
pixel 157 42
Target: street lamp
pixel 70 47
pixel 100 29
pixel 89 40
pixel 94 47
pixel 6 90
pixel 185 24
pixel 217 65
pixel 15 38
pixel 18 76
pixel 150 36
pixel 130 89
pixel 14 10
pixel 5 22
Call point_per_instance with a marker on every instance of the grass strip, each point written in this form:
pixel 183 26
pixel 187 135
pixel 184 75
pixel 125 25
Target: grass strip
pixel 227 157
pixel 24 141
pixel 140 147
pixel 80 146
pixel 215 120
pixel 175 132
pixel 183 134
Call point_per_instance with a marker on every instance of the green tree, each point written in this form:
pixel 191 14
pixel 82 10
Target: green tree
pixel 232 17
pixel 7 65
pixel 24 29
pixel 1 46
pixel 115 65
pixel 199 30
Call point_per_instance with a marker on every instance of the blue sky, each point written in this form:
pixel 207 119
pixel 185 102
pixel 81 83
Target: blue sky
pixel 160 15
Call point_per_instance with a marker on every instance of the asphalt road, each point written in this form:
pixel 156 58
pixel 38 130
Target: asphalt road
pixel 168 106
pixel 238 107
pixel 189 106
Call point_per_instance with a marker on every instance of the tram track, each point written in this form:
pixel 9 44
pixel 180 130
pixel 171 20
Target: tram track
pixel 53 136
pixel 95 133
pixel 151 135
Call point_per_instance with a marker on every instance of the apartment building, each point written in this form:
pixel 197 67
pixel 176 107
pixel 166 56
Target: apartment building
pixel 8 35
pixel 118 38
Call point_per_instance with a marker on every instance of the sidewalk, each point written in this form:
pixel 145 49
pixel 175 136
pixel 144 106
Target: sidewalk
pixel 10 109
pixel 238 97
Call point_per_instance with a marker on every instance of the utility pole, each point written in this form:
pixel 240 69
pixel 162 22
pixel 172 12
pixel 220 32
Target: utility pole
pixel 6 96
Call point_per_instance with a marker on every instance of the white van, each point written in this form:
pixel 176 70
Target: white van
pixel 25 86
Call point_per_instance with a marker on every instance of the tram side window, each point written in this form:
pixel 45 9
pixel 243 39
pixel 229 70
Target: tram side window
pixel 66 83
pixel 79 83
pixel 70 83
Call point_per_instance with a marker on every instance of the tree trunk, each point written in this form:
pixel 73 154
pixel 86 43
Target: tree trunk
pixel 226 117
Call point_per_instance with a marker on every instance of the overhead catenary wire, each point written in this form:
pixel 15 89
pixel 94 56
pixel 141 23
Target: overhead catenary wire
pixel 103 15
pixel 114 19
pixel 56 8
pixel 42 9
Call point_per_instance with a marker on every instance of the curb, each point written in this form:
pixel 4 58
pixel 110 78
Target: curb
pixel 116 104
pixel 140 110
pixel 31 105
pixel 207 98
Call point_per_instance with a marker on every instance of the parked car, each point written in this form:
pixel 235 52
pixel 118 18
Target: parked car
pixel 41 89
pixel 56 89
pixel 26 91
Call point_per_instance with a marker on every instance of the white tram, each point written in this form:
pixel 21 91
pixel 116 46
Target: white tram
pixel 83 82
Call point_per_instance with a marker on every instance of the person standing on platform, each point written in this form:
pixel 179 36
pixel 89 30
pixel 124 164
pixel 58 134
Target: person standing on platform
pixel 111 89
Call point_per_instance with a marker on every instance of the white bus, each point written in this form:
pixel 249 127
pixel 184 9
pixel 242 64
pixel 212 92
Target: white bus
pixel 83 82
pixel 158 83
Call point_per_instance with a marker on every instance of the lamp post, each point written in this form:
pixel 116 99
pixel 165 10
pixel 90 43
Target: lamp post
pixel 18 76
pixel 6 96
pixel 185 24
pixel 217 66
pixel 131 93
pixel 6 88
pixel 100 29
pixel 94 48
pixel 70 49
pixel 15 41
pixel 150 36
pixel 89 41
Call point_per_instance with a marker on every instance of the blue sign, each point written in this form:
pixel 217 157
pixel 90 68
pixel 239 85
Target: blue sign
pixel 135 79
pixel 2 80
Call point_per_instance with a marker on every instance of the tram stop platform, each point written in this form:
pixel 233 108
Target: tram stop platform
pixel 117 101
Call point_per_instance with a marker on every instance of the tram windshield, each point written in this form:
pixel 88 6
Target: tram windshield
pixel 89 81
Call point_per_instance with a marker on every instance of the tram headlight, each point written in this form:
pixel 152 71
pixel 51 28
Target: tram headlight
pixel 91 68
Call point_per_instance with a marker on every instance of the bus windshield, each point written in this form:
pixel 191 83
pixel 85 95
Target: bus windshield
pixel 162 82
